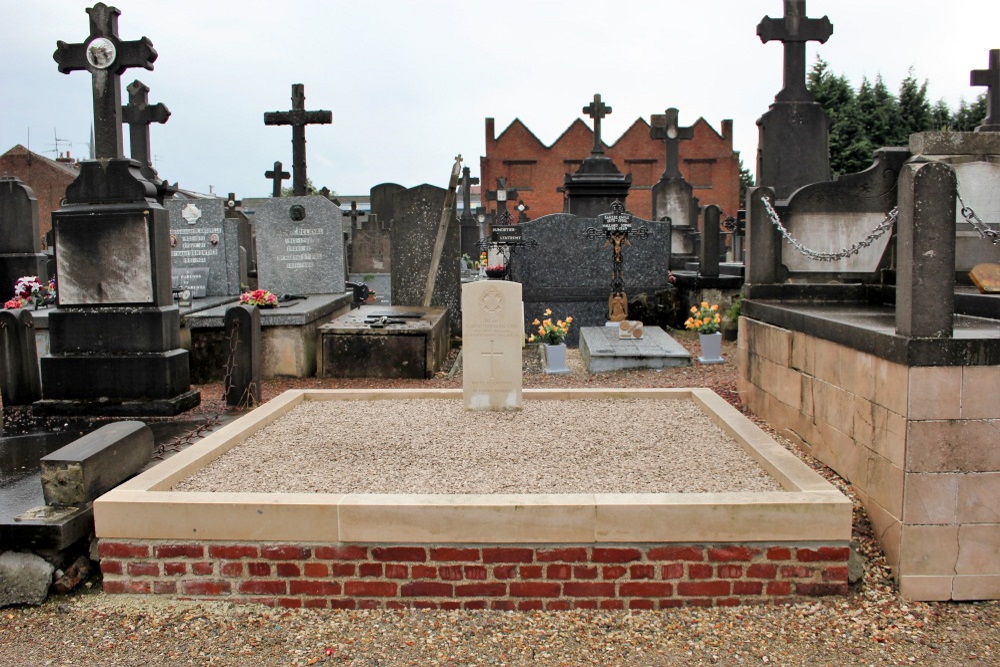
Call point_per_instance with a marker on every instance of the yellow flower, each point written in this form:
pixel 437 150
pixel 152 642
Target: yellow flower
pixel 715 306
pixel 704 304
pixel 535 322
pixel 569 319
pixel 693 309
pixel 548 311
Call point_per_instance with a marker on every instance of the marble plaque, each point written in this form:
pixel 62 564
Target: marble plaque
pixel 104 260
pixel 492 338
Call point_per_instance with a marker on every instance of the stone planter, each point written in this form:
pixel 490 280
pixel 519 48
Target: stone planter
pixel 711 348
pixel 554 358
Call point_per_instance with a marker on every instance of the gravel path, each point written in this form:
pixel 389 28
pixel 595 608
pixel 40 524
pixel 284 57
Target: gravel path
pixel 436 446
pixel 871 626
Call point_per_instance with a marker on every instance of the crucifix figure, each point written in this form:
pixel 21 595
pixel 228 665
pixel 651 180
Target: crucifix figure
pixel 597 110
pixel 467 183
pixel 139 114
pixel 664 126
pixel 106 57
pixel 616 226
pixel 991 79
pixel 501 195
pixel 794 30
pixel 298 118
pixel 353 214
pixel 277 176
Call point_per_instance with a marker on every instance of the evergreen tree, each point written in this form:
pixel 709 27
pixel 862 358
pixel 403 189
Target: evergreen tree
pixel 746 181
pixel 835 95
pixel 941 116
pixel 969 116
pixel 914 110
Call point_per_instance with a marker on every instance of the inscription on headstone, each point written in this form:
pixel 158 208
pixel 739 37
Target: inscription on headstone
pixel 492 338
pixel 204 242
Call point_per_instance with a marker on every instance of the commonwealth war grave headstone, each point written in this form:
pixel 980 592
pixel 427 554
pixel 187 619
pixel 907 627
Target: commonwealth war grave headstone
pixel 492 338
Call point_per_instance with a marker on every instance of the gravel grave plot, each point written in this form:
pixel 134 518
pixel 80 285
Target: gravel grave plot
pixel 436 446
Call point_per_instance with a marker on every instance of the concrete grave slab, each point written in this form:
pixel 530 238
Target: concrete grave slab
pixel 604 350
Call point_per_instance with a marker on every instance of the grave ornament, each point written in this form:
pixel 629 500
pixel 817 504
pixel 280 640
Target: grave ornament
pixel 991 79
pixel 298 118
pixel 664 126
pixel 139 114
pixel 793 31
pixel 277 176
pixel 617 226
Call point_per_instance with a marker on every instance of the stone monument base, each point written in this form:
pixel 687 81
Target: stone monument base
pixel 117 407
pixel 602 350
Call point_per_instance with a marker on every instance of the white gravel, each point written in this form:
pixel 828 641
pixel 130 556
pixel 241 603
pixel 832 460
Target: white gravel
pixel 436 446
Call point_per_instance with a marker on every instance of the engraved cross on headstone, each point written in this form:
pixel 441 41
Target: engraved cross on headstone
pixel 139 114
pixel 664 126
pixel 597 110
pixel 492 354
pixel 277 176
pixel 794 30
pixel 501 195
pixel 991 79
pixel 298 118
pixel 105 56
pixel 467 183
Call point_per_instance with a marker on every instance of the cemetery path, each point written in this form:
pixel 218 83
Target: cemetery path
pixel 870 626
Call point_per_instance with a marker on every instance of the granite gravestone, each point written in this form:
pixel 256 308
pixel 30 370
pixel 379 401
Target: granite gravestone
pixel 598 182
pixel 416 215
pixel 300 246
pixel 204 247
pixel 492 338
pixel 673 197
pixel 20 243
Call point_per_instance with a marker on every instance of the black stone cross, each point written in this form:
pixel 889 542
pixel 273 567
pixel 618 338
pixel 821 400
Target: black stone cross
pixel 467 183
pixel 522 211
pixel 664 126
pixel 353 214
pixel 501 195
pixel 597 110
pixel 139 114
pixel 298 118
pixel 991 79
pixel 277 176
pixel 105 56
pixel 794 30
pixel 232 205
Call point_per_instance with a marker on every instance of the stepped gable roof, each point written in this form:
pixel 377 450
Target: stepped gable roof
pixel 640 125
pixel 515 126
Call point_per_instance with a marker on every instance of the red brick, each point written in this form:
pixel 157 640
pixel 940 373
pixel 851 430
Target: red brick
pixel 480 590
pixel 641 604
pixel 530 605
pixel 341 552
pixel 408 554
pixel 284 552
pixel 111 566
pixel 312 587
pixel 176 568
pixel 259 569
pixel 564 554
pixel 144 569
pixel 585 572
pixel 397 605
pixel 838 574
pixel 614 555
pixel 822 554
pixel 343 604
pixel 560 571
pixel 779 553
pixel 671 604
pixel 588 589
pixel 613 571
pixel 449 605
pixel 290 603
pixel 727 602
pixel 731 553
pixel 453 554
pixel 530 571
pixel 425 604
pixel 205 587
pixel 797 572
pixel 704 588
pixel 287 570
pixel 266 587
pixel 762 571
pixel 373 588
pixel 730 571
pixel 368 604
pixel 642 571
pixel 508 555
pixel 748 587
pixel 672 571
pixel 611 604
pixel 817 590
pixel 394 571
pixel 534 589
pixel 433 589
pixel 676 553
pixel 503 605
pixel 504 571
pixel 700 571
pixel 113 586
pixel 558 605
pixel 452 572
pixel 316 603
pixel 232 551
pixel 203 568
pixel 779 587
pixel 122 550
pixel 231 569
pixel 423 572
pixel 343 569
pixel 475 572
pixel 474 604
pixel 179 551
pixel 165 587
pixel 315 569
pixel 584 604
pixel 698 602
pixel 370 570
pixel 645 589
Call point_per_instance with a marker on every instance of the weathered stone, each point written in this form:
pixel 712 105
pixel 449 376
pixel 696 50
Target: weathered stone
pixel 20 242
pixel 24 578
pixel 20 383
pixel 242 381
pixel 492 338
pixel 986 277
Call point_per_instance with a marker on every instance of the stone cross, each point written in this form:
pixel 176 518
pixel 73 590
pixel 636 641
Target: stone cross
pixel 597 110
pixel 664 126
pixel 991 79
pixel 353 214
pixel 492 355
pixel 139 114
pixel 298 118
pixel 794 30
pixel 501 195
pixel 276 176
pixel 105 56
pixel 467 183
pixel 232 205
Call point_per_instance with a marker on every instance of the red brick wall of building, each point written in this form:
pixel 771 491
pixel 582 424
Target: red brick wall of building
pixel 47 178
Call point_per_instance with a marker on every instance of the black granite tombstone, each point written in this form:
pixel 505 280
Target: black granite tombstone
pixel 19 379
pixel 242 381
pixel 298 118
pixel 598 182
pixel 20 244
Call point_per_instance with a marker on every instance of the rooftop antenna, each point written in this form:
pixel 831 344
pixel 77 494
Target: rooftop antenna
pixel 58 141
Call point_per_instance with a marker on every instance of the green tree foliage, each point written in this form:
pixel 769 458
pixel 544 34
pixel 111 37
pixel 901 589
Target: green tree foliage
pixel 746 181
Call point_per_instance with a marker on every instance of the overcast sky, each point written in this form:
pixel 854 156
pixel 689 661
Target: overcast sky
pixel 410 82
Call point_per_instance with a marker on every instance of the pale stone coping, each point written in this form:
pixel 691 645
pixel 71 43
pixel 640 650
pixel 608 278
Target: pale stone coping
pixel 809 509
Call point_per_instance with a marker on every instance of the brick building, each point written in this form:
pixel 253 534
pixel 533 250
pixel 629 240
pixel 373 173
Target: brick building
pixel 47 178
pixel 707 161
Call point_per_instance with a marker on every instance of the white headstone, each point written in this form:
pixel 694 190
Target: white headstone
pixel 492 338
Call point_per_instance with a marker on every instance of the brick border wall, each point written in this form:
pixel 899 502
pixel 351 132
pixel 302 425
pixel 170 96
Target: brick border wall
pixel 533 577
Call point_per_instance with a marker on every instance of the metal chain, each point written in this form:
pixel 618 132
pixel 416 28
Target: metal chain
pixel 853 249
pixel 985 232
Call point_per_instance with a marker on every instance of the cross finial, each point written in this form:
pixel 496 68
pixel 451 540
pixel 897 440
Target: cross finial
pixel 664 126
pixel 298 118
pixel 794 30
pixel 597 110
pixel 139 114
pixel 991 79
pixel 277 176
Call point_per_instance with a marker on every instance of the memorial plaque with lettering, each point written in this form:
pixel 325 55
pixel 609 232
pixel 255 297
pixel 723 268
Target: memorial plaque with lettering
pixel 300 245
pixel 194 281
pixel 507 234
pixel 201 237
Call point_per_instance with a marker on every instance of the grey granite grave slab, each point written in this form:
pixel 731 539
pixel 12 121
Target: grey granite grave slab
pixel 202 238
pixel 603 351
pixel 293 313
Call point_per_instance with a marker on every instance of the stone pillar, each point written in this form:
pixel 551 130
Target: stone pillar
pixel 710 242
pixel 763 240
pixel 19 377
pixel 925 250
pixel 242 382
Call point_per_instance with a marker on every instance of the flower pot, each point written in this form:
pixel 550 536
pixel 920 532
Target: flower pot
pixel 554 358
pixel 711 348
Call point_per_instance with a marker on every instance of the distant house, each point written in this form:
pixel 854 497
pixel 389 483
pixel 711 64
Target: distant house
pixel 47 178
